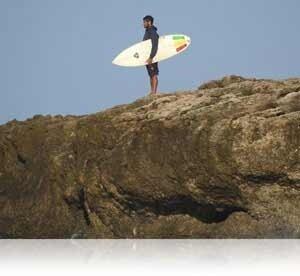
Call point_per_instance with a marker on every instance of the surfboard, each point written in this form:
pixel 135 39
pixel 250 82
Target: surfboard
pixel 168 46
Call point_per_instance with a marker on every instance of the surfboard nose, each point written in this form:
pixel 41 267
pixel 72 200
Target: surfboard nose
pixel 116 60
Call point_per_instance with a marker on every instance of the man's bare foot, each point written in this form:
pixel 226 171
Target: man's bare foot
pixel 154 93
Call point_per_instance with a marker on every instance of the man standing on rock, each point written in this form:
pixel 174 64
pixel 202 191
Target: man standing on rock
pixel 152 68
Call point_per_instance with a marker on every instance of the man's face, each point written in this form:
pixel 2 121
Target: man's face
pixel 147 24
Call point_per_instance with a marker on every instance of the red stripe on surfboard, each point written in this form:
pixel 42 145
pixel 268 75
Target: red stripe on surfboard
pixel 181 47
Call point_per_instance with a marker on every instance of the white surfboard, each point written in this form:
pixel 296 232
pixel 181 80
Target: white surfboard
pixel 168 46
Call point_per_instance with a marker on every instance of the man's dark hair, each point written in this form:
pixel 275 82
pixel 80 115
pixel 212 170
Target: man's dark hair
pixel 149 18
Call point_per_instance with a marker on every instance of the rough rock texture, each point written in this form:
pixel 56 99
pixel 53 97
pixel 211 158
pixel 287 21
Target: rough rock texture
pixel 222 161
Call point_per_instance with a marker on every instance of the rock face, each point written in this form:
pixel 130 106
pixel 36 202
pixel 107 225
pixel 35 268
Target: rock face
pixel 222 161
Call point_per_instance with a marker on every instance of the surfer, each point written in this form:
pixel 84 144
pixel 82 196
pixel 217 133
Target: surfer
pixel 152 68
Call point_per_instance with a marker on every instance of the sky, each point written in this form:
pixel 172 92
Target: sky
pixel 55 55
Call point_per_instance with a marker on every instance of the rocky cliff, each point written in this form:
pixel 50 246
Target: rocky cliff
pixel 222 161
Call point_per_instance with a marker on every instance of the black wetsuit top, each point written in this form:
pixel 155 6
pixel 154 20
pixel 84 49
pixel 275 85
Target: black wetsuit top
pixel 151 33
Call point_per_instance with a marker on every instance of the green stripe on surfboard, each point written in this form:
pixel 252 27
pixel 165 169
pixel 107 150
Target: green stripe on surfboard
pixel 178 37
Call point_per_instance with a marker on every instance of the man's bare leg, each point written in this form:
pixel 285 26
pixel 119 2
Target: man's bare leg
pixel 154 84
pixel 151 85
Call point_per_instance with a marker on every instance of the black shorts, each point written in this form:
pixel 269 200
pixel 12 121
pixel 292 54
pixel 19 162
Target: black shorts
pixel 152 69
